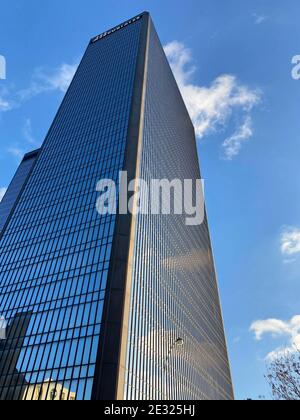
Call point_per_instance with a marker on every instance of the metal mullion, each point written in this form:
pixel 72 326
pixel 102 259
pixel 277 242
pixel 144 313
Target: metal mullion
pixel 50 323
pixel 58 341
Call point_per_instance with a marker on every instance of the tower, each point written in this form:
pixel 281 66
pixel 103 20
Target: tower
pixel 122 306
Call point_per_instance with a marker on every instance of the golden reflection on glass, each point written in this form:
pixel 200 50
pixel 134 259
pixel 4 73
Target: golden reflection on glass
pixel 48 391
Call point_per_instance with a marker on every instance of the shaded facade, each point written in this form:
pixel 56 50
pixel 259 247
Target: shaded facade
pixel 12 382
pixel 121 307
pixel 14 190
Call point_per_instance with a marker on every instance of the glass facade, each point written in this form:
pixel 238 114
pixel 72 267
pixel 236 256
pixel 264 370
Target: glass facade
pixel 176 346
pixel 9 200
pixel 55 250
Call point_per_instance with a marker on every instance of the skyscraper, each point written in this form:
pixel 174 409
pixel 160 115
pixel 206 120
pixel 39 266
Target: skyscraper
pixel 121 306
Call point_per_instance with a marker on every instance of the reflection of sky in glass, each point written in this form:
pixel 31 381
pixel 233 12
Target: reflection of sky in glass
pixel 55 252
pixel 14 189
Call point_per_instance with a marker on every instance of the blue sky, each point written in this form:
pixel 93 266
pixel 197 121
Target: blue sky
pixel 232 60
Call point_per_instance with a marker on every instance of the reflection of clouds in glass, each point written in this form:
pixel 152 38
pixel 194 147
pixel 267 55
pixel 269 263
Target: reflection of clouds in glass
pixel 192 261
pixel 3 325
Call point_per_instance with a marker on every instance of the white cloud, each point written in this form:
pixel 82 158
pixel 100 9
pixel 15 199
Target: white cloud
pixel 211 107
pixel 2 192
pixel 42 82
pixel 179 57
pixel 57 80
pixel 276 328
pixel 233 144
pixel 28 134
pixel 259 19
pixel 16 151
pixel 5 103
pixel 61 78
pixel 290 241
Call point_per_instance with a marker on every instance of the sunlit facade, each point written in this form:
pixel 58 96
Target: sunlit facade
pixel 116 306
pixel 174 290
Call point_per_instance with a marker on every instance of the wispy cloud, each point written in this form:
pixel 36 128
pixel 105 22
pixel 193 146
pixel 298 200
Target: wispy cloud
pixel 259 18
pixel 234 143
pixel 16 151
pixel 43 81
pixel 211 108
pixel 289 261
pixel 290 241
pixel 28 134
pixel 2 192
pixel 5 102
pixel 61 78
pixel 276 328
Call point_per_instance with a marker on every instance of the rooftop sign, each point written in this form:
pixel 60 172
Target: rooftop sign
pixel 117 28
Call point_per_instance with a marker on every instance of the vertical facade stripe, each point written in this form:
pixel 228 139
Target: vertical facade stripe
pixel 110 372
pixel 174 293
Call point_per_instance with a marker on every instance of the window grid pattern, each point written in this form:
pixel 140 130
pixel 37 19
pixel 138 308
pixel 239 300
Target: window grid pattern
pixel 55 252
pixel 174 288
pixel 14 190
